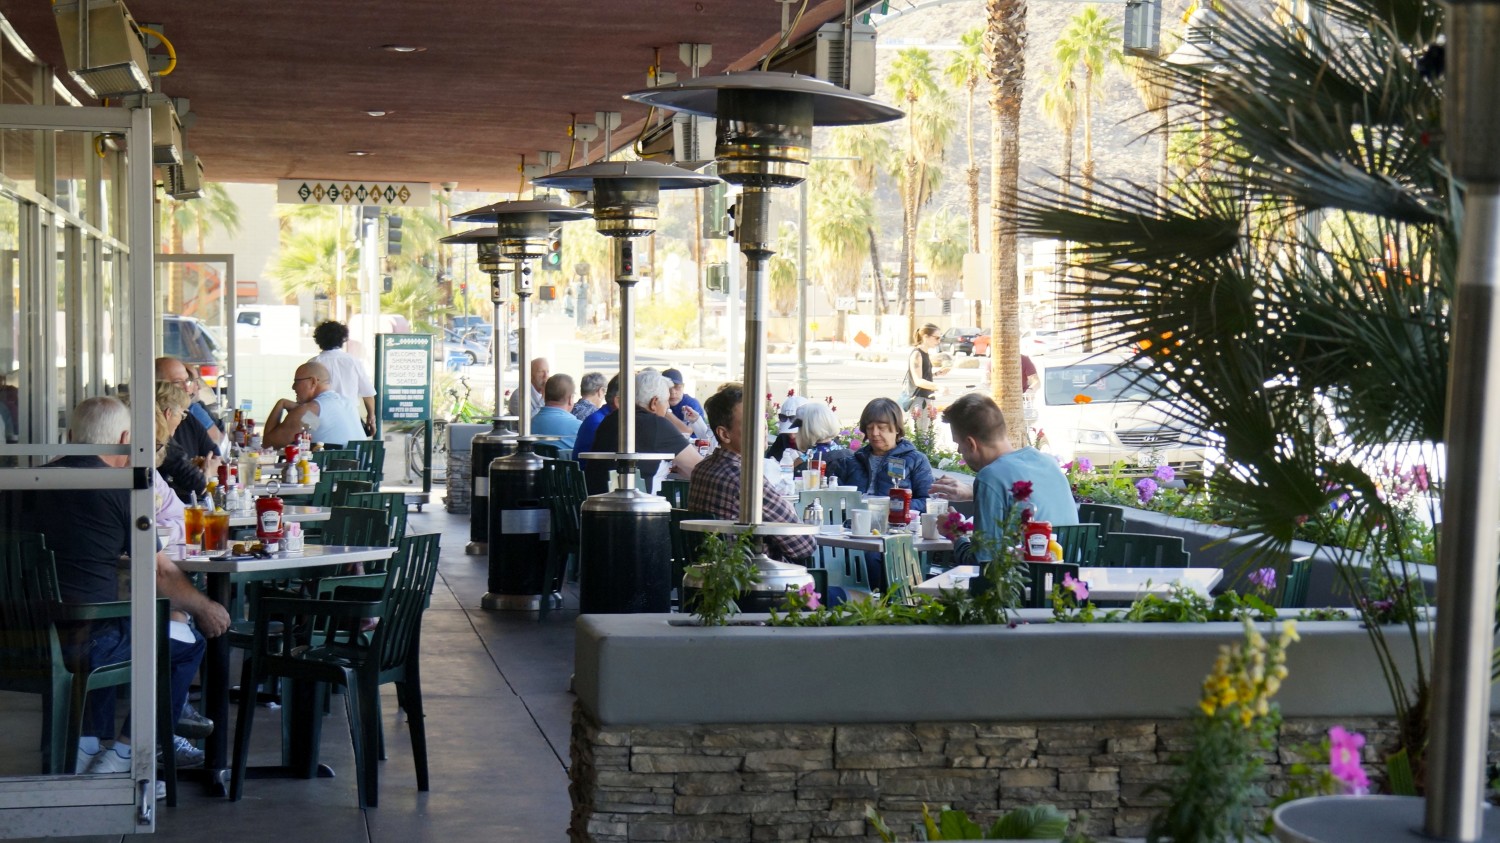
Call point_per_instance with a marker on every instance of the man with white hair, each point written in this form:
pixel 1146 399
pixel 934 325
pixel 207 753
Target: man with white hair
pixel 88 532
pixel 654 434
pixel 330 417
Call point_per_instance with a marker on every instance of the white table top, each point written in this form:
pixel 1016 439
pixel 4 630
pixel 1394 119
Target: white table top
pixel 1103 583
pixel 314 555
pixel 873 544
pixel 288 514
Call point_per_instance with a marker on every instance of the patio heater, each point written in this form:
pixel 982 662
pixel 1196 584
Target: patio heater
pixel 765 123
pixel 626 532
pixel 516 507
pixel 498 442
pixel 1459 725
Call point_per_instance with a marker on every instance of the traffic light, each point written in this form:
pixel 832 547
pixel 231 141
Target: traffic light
pixel 552 262
pixel 387 283
pixel 393 235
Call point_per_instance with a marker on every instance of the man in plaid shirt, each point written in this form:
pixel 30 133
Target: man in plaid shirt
pixel 715 485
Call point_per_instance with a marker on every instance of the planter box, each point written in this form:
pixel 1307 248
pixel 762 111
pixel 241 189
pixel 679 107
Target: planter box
pixel 748 732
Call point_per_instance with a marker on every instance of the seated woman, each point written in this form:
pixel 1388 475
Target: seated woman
pixel 171 406
pixel 886 454
pixel 816 429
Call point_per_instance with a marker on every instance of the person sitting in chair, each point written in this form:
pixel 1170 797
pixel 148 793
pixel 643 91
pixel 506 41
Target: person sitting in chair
pixel 318 409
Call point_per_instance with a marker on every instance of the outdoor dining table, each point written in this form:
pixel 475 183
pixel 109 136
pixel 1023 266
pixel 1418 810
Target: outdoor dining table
pixel 841 537
pixel 288 514
pixel 216 659
pixel 1103 583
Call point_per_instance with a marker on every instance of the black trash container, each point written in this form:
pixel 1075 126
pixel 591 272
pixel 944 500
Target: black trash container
pixel 485 448
pixel 520 530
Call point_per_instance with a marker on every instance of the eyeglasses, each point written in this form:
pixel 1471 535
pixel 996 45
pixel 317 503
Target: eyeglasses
pixel 296 381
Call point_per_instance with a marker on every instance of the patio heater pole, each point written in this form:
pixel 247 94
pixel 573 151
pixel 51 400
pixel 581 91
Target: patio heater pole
pixel 523 345
pixel 1467 554
pixel 752 230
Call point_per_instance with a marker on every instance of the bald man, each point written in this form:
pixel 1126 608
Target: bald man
pixel 318 408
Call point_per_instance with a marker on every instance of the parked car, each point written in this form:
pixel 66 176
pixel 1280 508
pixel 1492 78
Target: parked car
pixel 471 345
pixel 1100 408
pixel 958 340
pixel 188 339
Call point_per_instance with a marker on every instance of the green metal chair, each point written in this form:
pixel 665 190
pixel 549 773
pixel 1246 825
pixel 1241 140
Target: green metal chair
pixel 1041 577
pixel 1080 543
pixel 685 545
pixel 324 457
pixel 350 656
pixel 1142 550
pixel 564 508
pixel 1111 519
pixel 903 568
pixel 1294 589
pixel 371 456
pixel 393 504
pixel 676 492
pixel 836 505
pixel 328 491
pixel 32 659
pixel 567 479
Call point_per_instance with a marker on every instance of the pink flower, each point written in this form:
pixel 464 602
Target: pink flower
pixel 1084 465
pixel 1079 588
pixel 1021 490
pixel 1343 759
pixel 810 591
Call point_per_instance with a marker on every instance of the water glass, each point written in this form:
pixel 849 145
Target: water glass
pixel 859 522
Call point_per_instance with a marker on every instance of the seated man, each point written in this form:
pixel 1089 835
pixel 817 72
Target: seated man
pixel 540 371
pixel 685 408
pixel 715 487
pixel 653 435
pixel 590 396
pixel 556 416
pixel 88 532
pixel 979 432
pixel 318 408
pixel 583 441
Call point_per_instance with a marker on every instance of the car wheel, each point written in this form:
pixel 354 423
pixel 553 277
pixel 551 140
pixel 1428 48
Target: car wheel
pixel 472 357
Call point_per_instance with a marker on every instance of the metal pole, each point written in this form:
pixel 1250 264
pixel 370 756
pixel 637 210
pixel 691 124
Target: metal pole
pixel 1471 494
pixel 802 290
pixel 523 359
pixel 622 255
pixel 500 340
pixel 753 227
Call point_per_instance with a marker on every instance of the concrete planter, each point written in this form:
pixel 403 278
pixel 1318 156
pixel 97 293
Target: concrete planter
pixel 753 732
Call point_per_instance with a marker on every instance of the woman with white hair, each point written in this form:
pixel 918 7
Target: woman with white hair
pixel 816 429
pixel 654 434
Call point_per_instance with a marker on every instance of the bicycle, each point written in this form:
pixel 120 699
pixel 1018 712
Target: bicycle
pixel 460 411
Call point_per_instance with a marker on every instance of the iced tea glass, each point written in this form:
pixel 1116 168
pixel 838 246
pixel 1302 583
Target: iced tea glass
pixel 216 531
pixel 192 521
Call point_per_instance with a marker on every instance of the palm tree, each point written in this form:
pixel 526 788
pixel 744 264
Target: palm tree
pixel 1156 95
pixel 1227 284
pixel 840 217
pixel 912 82
pixel 966 69
pixel 943 246
pixel 869 150
pixel 1092 42
pixel 214 210
pixel 783 270
pixel 316 255
pixel 1005 57
pixel 1060 108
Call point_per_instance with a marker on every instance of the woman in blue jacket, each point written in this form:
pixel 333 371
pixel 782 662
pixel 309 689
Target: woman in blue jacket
pixel 870 469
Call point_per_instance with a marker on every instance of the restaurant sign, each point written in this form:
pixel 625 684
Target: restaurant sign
pixel 403 365
pixel 336 192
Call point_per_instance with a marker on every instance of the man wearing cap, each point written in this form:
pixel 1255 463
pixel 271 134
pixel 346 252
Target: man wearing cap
pixel 686 408
pixel 786 426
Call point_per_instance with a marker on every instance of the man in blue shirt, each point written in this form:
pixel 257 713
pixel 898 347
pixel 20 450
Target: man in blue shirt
pixel 979 431
pixel 556 416
pixel 583 440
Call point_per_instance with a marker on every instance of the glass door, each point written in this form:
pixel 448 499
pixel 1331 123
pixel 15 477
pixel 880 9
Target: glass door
pixel 78 537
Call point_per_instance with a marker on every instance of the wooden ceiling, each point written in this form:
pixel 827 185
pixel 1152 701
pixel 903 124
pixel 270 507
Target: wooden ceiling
pixel 281 89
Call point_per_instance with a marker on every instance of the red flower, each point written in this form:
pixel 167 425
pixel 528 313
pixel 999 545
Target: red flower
pixel 791 392
pixel 1021 490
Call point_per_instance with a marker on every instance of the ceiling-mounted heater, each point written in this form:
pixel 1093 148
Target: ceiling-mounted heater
pixel 166 134
pixel 185 180
pixel 107 58
pixel 827 57
pixel 1142 36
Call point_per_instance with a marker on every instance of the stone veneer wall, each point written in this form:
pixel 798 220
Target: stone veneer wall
pixel 741 782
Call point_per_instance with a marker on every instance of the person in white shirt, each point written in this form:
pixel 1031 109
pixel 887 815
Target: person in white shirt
pixel 540 371
pixel 346 374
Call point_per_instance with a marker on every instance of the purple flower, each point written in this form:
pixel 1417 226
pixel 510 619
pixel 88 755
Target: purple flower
pixel 1264 579
pixel 1165 474
pixel 1079 588
pixel 1084 465
pixel 1146 488
pixel 810 591
pixel 1343 759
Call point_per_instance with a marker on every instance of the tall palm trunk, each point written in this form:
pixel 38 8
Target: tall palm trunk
pixel 908 247
pixel 880 302
pixel 973 173
pixel 1088 129
pixel 1005 49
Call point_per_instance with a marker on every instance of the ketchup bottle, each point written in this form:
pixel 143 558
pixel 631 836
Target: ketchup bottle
pixel 268 512
pixel 1036 541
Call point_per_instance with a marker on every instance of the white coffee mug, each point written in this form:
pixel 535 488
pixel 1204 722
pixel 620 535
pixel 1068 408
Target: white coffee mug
pixel 859 522
pixel 930 525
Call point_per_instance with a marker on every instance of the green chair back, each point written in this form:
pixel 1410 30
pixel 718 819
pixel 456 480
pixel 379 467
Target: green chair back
pixel 1111 519
pixel 371 456
pixel 343 465
pixel 1080 543
pixel 1294 589
pixel 323 457
pixel 393 504
pixel 348 525
pixel 903 568
pixel 676 492
pixel 1142 550
pixel 1040 578
pixel 331 487
pixel 408 588
pixel 836 505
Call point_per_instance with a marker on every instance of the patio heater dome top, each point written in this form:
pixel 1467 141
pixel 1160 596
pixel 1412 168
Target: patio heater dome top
pixel 832 105
pixel 490 259
pixel 473 235
pixel 523 227
pixel 626 194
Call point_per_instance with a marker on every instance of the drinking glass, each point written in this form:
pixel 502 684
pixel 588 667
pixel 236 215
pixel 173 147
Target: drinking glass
pixel 192 522
pixel 216 530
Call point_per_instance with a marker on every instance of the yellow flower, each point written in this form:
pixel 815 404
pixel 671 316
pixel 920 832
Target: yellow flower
pixel 1289 632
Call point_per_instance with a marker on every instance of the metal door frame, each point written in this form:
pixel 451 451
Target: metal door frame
pixel 231 308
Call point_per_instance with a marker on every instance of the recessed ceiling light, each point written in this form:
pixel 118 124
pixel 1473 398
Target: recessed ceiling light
pixel 360 153
pixel 402 48
pixel 376 112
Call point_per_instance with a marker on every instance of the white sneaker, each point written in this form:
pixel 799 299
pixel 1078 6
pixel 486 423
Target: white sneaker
pixel 84 760
pixel 107 762
pixel 185 754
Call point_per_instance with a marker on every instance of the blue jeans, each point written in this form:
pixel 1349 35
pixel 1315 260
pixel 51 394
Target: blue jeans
pixel 109 643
